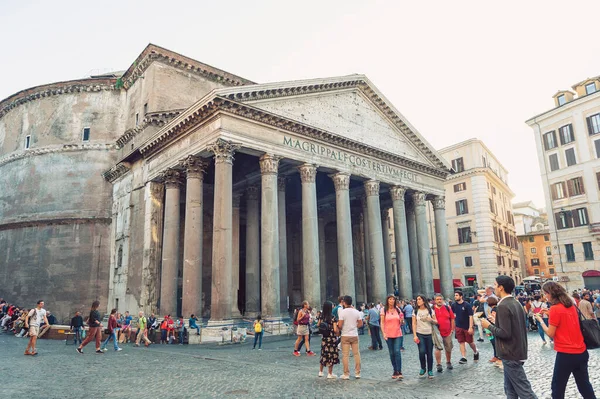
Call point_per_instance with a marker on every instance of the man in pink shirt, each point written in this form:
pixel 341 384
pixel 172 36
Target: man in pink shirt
pixel 445 318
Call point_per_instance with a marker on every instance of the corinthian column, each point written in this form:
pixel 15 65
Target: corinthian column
pixel 401 239
pixel 387 250
pixel 368 265
pixel 411 226
pixel 283 264
pixel 222 231
pixel 269 276
pixel 252 253
pixel 341 182
pixel 423 245
pixel 235 261
pixel 170 252
pixel 443 249
pixel 311 279
pixel 378 284
pixel 192 241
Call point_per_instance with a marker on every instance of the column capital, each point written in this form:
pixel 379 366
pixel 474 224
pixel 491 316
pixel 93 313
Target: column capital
pixel 439 202
pixel 171 178
pixel 223 150
pixel 252 193
pixel 308 172
pixel 194 166
pixel 418 198
pixel 269 164
pixel 397 193
pixel 372 188
pixel 281 183
pixel 341 181
pixel 236 200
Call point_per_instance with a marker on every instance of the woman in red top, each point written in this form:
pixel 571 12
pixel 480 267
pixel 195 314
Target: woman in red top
pixel 571 353
pixel 391 320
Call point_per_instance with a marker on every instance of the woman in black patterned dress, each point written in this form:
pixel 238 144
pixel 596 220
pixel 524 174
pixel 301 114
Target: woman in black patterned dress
pixel 329 341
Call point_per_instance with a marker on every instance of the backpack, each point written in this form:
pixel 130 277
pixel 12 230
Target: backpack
pixel 258 327
pixel 325 328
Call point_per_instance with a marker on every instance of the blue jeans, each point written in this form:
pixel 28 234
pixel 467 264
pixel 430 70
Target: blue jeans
pixel 426 351
pixel 258 337
pixel 112 336
pixel 163 336
pixel 516 384
pixel 77 337
pixel 181 333
pixel 195 327
pixel 395 355
pixel 567 364
pixel 541 330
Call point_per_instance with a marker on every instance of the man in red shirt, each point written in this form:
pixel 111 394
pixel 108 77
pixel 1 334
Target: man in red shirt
pixel 445 318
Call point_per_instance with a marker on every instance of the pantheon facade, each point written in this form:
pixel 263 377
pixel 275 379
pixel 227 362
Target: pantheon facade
pixel 217 196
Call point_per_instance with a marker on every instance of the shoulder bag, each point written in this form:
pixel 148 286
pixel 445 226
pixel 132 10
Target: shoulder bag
pixel 590 331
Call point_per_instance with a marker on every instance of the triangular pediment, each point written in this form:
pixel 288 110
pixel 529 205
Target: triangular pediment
pixel 350 107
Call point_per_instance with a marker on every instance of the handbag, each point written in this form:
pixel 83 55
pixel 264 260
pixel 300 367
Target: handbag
pixel 590 331
pixel 106 331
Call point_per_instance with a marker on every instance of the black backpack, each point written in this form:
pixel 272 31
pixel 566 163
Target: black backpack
pixel 325 328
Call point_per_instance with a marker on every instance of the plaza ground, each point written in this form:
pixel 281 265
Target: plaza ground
pixel 237 371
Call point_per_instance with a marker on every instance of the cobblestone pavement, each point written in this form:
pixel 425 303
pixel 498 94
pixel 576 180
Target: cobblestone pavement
pixel 174 371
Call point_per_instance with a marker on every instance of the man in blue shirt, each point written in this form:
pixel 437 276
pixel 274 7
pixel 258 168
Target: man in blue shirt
pixel 374 327
pixel 408 315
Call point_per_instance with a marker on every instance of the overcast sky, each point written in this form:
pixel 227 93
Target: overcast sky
pixel 455 69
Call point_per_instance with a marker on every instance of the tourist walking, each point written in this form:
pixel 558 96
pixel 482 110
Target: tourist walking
pixel 77 327
pixel 392 320
pixel 508 328
pixel 142 330
pixel 408 315
pixel 540 307
pixel 571 353
pixel 303 330
pixel 423 322
pixel 329 341
pixel 113 332
pixel 586 307
pixel 374 328
pixel 478 306
pixel 34 319
pixel 259 327
pixel 350 320
pixel 464 326
pixel 445 319
pixel 95 332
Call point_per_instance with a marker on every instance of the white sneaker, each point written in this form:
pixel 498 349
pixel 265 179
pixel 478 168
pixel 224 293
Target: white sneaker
pixel 118 349
pixel 331 377
pixel 320 374
pixel 357 376
pixel 345 377
pixel 104 350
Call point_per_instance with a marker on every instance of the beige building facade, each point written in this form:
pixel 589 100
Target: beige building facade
pixel 568 147
pixel 482 235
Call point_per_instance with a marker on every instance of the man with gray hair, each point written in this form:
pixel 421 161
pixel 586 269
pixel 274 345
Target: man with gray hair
pixel 142 330
pixel 445 318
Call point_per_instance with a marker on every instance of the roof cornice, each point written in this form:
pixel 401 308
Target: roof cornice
pixel 482 171
pixel 159 118
pixel 204 111
pixel 156 53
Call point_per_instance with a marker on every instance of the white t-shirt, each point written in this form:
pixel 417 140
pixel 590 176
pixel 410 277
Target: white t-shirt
pixel 350 317
pixel 38 319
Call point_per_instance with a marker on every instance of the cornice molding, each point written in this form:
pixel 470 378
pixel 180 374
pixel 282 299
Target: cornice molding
pixel 193 118
pixel 159 118
pixel 155 53
pixel 55 149
pixel 13 225
pixel 55 89
pixel 116 172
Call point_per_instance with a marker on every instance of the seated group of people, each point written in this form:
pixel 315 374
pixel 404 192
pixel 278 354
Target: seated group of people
pixel 12 320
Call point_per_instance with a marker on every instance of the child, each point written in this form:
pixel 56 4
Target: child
pixel 259 327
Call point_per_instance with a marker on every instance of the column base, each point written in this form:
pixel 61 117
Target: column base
pixel 276 326
pixel 223 331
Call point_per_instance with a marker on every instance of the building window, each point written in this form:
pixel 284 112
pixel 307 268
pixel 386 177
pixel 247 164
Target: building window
pixel 501 236
pixel 575 186
pixel 534 250
pixel 468 261
pixel 566 134
pixel 561 100
pixel 550 260
pixel 492 205
pixel 570 252
pixel 559 190
pixel 554 165
pixel 588 254
pixel 495 234
pixel 570 155
pixel 516 264
pixel 499 260
pixel 546 238
pixel 580 217
pixel 536 272
pixel 145 109
pixel 593 123
pixel 457 165
pixel 462 186
pixel 550 140
pixel 464 235
pixel 27 142
pixel 564 219
pixel 86 134
pixel 531 238
pixel 535 262
pixel 461 207
pixel 598 179
pixel 590 88
pixel 551 271
pixel 548 251
pixel 137 119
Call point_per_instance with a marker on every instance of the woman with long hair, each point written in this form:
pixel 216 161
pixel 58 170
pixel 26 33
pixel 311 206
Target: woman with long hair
pixel 112 332
pixel 423 322
pixel 259 328
pixel 571 353
pixel 95 332
pixel 303 330
pixel 329 340
pixel 391 319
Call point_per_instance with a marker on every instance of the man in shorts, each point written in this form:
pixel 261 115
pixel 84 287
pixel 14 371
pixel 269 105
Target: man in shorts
pixel 32 322
pixel 445 318
pixel 464 326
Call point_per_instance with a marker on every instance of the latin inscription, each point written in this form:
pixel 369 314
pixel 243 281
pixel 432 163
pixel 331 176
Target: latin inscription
pixel 351 159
